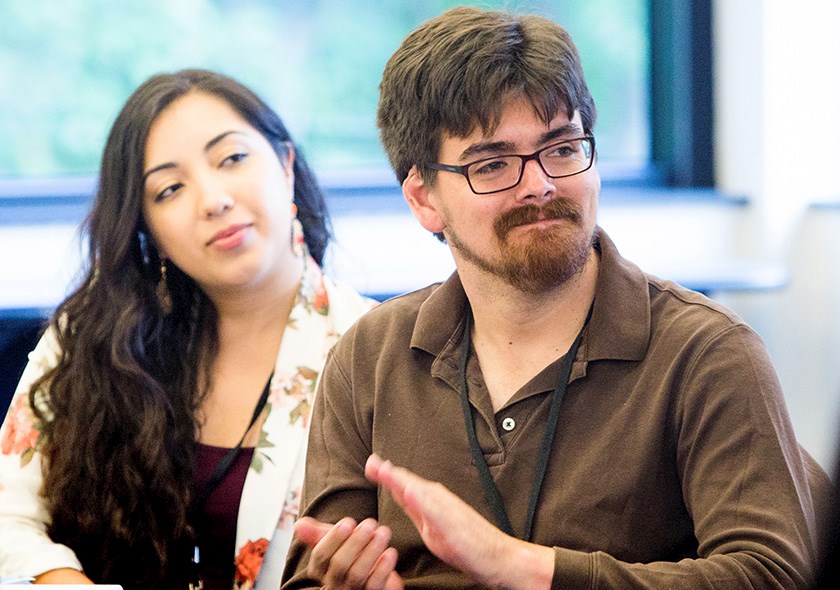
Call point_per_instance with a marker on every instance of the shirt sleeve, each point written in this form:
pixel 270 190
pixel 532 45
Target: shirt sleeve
pixel 334 485
pixel 744 481
pixel 743 476
pixel 340 442
pixel 25 548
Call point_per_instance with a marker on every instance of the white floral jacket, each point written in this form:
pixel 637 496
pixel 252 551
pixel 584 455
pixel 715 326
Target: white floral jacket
pixel 271 495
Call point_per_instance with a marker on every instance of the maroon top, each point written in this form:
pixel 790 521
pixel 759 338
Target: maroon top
pixel 216 526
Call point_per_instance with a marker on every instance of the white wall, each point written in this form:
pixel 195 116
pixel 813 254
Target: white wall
pixel 777 106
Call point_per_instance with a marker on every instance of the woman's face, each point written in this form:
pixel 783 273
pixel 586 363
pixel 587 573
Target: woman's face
pixel 218 199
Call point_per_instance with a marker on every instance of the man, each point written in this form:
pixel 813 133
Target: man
pixel 588 425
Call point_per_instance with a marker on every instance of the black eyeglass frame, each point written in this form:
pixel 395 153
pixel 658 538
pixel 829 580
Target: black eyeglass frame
pixel 462 170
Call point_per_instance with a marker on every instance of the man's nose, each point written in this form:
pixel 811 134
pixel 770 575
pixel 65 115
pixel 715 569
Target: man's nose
pixel 535 183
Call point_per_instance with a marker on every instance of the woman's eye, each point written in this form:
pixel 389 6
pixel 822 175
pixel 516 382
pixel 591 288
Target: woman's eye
pixel 167 192
pixel 234 158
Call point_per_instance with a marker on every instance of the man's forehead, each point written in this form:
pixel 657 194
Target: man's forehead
pixel 514 109
pixel 519 126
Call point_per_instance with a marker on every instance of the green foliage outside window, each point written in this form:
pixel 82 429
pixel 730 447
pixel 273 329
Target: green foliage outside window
pixel 67 66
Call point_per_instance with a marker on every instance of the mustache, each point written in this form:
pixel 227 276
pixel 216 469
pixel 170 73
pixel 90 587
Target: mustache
pixel 559 208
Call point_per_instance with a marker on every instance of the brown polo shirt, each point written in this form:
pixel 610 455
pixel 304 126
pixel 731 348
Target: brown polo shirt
pixel 674 464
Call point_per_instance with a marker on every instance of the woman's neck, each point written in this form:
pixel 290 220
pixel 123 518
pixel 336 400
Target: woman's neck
pixel 249 311
pixel 251 325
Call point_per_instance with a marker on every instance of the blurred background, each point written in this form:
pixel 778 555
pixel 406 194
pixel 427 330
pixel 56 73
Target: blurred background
pixel 718 144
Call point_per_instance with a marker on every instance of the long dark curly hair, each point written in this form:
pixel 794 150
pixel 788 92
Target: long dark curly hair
pixel 119 407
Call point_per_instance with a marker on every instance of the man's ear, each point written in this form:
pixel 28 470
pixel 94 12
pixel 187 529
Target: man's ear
pixel 419 198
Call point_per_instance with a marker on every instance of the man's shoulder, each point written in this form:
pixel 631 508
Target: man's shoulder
pixel 403 307
pixel 669 296
pixel 392 319
pixel 690 316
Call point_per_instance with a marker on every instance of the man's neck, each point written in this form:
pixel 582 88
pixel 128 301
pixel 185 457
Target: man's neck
pixel 517 334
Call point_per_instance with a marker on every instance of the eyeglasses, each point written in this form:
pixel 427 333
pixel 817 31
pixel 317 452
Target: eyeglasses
pixel 500 173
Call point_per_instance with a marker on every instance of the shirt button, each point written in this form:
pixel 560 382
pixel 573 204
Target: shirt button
pixel 508 424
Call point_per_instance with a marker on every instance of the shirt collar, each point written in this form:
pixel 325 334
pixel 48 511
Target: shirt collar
pixel 620 324
pixel 619 328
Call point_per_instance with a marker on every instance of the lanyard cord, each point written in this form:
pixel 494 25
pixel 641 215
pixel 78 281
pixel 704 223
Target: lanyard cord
pixel 219 472
pixel 223 466
pixel 491 492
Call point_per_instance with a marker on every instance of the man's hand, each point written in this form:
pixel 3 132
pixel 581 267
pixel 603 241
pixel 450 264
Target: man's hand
pixel 460 536
pixel 350 556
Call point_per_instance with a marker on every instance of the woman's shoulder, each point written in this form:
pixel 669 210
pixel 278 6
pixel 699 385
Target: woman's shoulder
pixel 22 432
pixel 343 303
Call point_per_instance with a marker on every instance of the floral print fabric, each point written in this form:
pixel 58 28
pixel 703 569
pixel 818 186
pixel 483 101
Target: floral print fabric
pixel 271 495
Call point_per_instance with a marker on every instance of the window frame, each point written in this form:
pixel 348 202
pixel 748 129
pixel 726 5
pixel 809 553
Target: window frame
pixel 681 112
pixel 682 93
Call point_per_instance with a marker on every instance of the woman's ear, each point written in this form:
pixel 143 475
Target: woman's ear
pixel 289 161
pixel 421 201
pixel 288 164
pixel 148 243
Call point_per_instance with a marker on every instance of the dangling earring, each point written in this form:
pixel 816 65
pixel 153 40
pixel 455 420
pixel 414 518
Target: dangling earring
pixel 298 241
pixel 162 291
pixel 144 247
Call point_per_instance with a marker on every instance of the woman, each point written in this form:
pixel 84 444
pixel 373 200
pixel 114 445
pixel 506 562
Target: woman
pixel 163 415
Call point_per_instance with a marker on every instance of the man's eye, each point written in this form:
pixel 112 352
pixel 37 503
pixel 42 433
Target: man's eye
pixel 489 167
pixel 564 150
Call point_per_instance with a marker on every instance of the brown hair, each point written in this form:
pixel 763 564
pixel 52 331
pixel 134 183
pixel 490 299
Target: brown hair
pixel 453 73
pixel 118 409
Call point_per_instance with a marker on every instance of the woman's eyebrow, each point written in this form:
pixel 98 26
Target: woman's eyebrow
pixel 219 138
pixel 208 146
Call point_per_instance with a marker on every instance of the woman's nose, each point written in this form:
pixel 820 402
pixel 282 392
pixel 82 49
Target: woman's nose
pixel 215 202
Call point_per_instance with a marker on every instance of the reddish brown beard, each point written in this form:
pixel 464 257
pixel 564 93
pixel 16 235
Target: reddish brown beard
pixel 548 258
pixel 559 208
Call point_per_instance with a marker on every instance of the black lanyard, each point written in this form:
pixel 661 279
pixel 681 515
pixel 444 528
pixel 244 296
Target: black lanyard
pixel 219 472
pixel 491 492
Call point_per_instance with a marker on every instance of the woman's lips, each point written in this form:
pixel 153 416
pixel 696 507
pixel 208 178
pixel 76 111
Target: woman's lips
pixel 230 237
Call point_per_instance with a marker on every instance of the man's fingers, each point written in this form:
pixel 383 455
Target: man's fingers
pixel 350 555
pixel 367 570
pixel 323 552
pixel 349 564
pixel 394 582
pixel 310 531
pixel 392 478
pixel 383 571
pixel 408 489
pixel 372 465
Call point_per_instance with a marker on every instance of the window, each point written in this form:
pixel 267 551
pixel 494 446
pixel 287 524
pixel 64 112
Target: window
pixel 66 69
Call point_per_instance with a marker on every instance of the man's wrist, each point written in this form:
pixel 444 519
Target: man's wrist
pixel 525 565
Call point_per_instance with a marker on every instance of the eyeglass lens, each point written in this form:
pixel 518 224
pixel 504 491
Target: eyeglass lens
pixel 561 159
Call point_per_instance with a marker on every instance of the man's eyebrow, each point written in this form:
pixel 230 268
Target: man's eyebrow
pixel 207 148
pixel 508 147
pixel 487 148
pixel 567 130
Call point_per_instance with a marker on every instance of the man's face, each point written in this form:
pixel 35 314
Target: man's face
pixel 536 235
